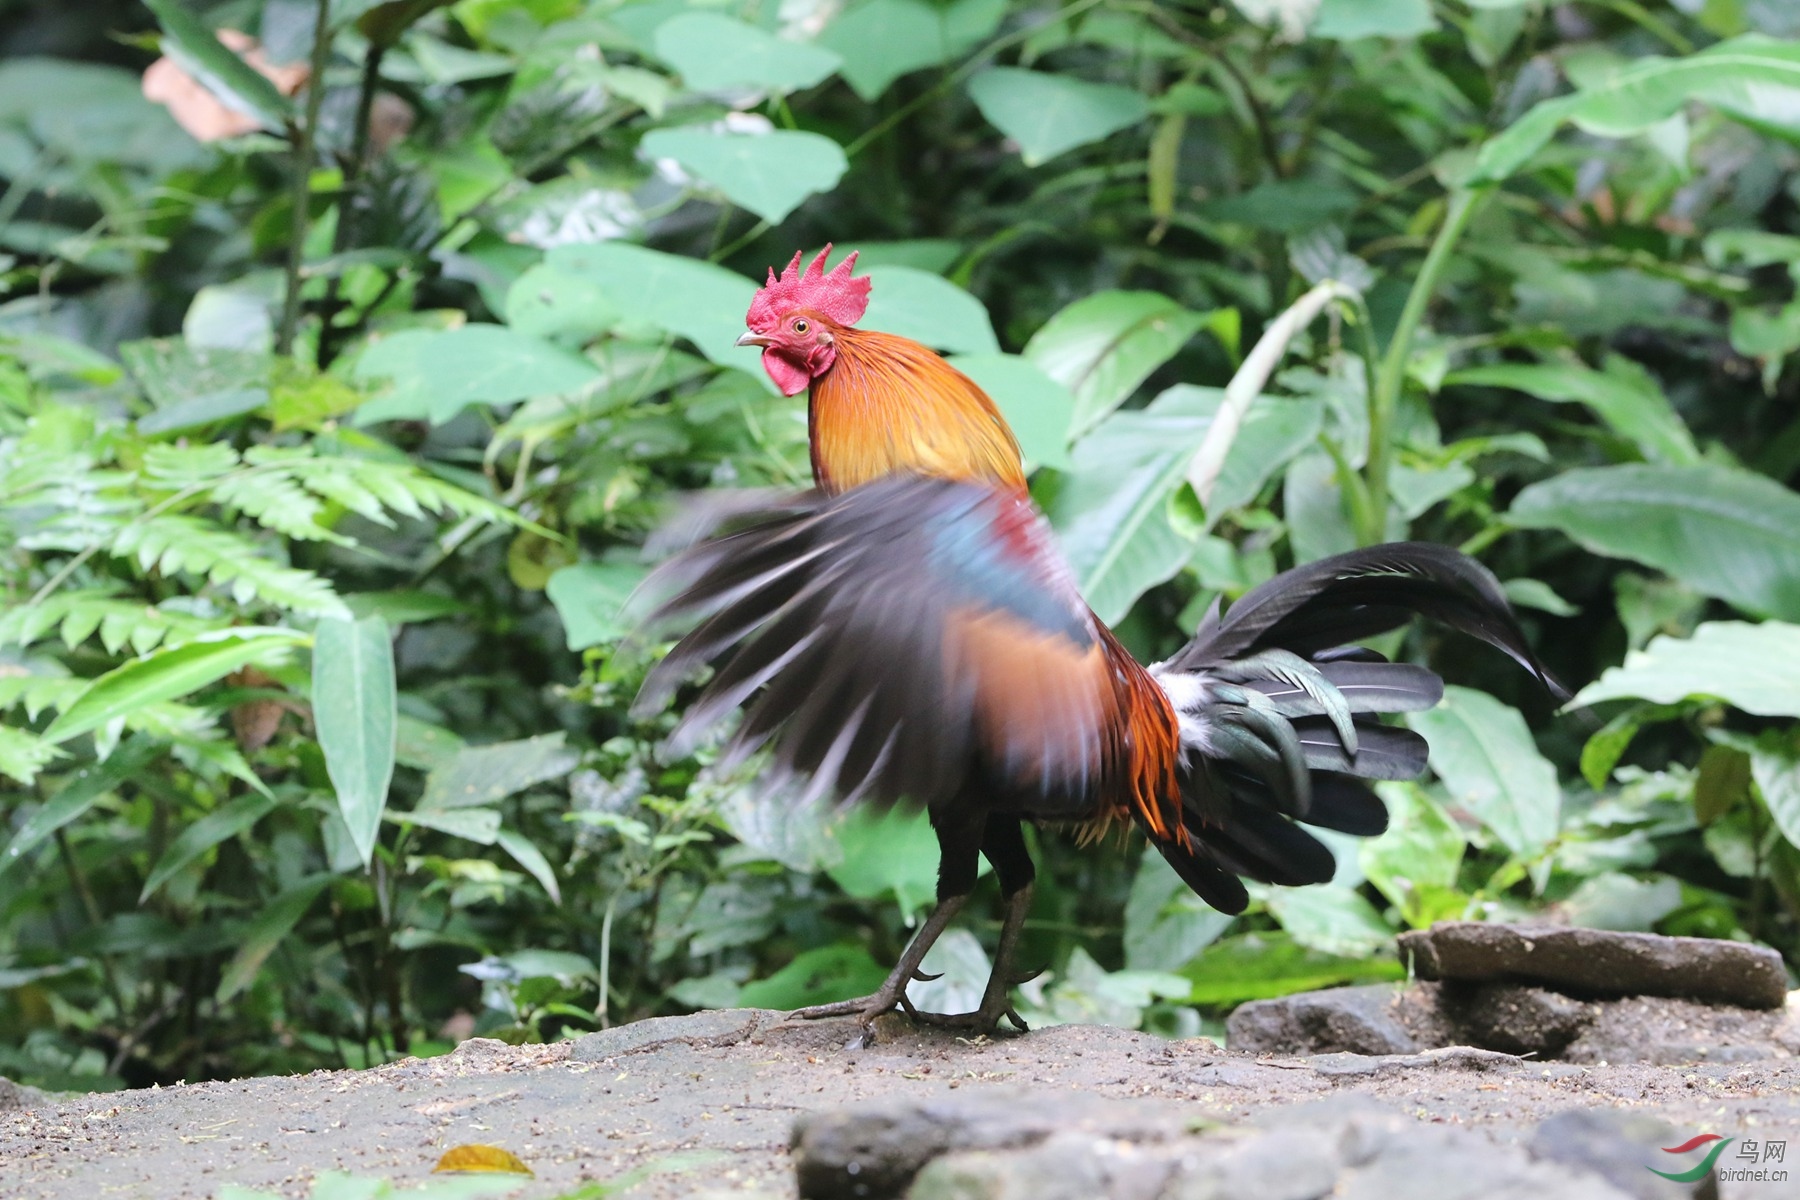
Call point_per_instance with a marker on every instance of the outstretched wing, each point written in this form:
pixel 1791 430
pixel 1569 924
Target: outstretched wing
pixel 892 640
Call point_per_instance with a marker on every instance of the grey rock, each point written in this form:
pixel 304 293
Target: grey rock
pixel 1437 1163
pixel 874 1149
pixel 17 1095
pixel 1600 963
pixel 1282 1165
pixel 1444 1058
pixel 1616 1146
pixel 1355 1020
pixel 721 1027
pixel 1657 1029
pixel 1513 1018
pixel 1064 1167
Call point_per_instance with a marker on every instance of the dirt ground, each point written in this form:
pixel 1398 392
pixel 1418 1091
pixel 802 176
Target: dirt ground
pixel 729 1084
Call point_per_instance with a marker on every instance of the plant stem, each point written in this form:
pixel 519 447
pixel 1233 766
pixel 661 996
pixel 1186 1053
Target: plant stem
pixel 1464 203
pixel 344 237
pixel 305 144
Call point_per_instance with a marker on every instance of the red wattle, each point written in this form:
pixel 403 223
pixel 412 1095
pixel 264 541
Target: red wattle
pixel 789 377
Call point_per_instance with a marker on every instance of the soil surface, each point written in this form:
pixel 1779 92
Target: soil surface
pixel 716 1096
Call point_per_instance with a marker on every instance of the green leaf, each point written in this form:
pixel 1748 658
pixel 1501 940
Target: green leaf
pixel 1330 919
pixel 820 976
pixel 1422 849
pixel 590 598
pixel 1102 346
pixel 384 24
pixel 236 84
pixel 23 754
pixel 1602 752
pixel 1166 925
pixel 1346 20
pixel 479 825
pixel 1624 396
pixel 1036 406
pixel 881 40
pixel 275 922
pixel 227 821
pixel 354 701
pixel 1259 966
pixel 887 853
pixel 437 373
pixel 1721 781
pixel 1048 114
pixel 75 797
pixel 1535 593
pixel 682 296
pixel 1749 76
pixel 546 301
pixel 169 674
pixel 1724 532
pixel 1775 766
pixel 928 308
pixel 532 859
pixel 1747 666
pixel 1113 508
pixel 1488 761
pixel 486 774
pixel 770 174
pixel 713 52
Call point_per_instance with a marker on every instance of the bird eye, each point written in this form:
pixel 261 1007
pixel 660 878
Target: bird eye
pixel 801 326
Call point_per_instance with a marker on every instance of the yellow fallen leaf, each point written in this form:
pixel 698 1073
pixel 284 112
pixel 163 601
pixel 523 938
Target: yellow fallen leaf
pixel 477 1157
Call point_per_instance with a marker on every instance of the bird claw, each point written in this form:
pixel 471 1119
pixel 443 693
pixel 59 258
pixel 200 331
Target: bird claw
pixel 922 977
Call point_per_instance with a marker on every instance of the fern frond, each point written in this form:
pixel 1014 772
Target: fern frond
pixel 191 545
pixel 77 615
pixel 23 755
pixel 177 468
pixel 275 501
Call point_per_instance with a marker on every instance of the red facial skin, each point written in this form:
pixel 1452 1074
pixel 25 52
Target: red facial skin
pixel 796 350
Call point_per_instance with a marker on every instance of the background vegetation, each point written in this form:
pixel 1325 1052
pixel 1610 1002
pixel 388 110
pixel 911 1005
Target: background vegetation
pixel 336 403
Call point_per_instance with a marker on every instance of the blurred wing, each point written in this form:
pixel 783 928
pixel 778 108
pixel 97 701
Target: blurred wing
pixel 886 639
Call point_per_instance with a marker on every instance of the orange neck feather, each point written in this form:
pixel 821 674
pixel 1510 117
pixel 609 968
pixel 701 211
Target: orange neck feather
pixel 890 404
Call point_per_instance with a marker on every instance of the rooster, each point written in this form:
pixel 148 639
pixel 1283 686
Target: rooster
pixel 908 632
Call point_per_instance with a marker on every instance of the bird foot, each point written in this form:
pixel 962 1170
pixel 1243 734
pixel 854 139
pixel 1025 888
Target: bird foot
pixel 983 1020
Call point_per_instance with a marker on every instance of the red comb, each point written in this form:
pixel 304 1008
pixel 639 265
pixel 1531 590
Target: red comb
pixel 833 295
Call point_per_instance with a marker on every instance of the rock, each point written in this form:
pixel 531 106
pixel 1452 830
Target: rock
pixel 719 1027
pixel 1443 1058
pixel 1600 963
pixel 17 1095
pixel 1356 1020
pixel 1656 1029
pixel 1617 1146
pixel 1281 1165
pixel 872 1150
pixel 1512 1018
pixel 1064 1167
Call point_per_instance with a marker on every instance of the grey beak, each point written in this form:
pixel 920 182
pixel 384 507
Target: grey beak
pixel 753 339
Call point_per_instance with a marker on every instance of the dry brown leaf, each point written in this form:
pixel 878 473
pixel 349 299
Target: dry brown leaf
pixel 197 110
pixel 476 1157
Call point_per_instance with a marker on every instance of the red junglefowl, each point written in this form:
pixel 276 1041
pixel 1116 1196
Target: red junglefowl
pixel 908 632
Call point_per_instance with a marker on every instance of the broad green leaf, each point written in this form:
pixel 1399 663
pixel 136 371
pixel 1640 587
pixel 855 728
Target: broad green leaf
pixel 683 296
pixel 1258 966
pixel 75 797
pixel 1049 114
pixel 820 976
pixel 532 859
pixel 1724 532
pixel 881 40
pixel 547 300
pixel 1775 765
pixel 894 852
pixel 486 774
pixel 436 373
pixel 1750 76
pixel 1036 406
pixel 1421 849
pixel 928 308
pixel 1346 20
pixel 275 922
pixel 354 701
pixel 590 598
pixel 713 52
pixel 1166 925
pixel 1488 761
pixel 1624 396
pixel 770 174
pixel 479 825
pixel 1747 666
pixel 1330 919
pixel 1619 901
pixel 1112 511
pixel 1102 346
pixel 1286 206
pixel 233 82
pixel 225 822
pixel 169 674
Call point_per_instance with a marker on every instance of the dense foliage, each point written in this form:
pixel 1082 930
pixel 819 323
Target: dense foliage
pixel 334 415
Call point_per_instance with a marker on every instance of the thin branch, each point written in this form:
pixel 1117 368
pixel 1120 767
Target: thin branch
pixel 305 142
